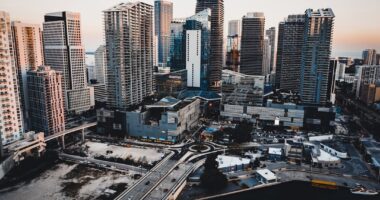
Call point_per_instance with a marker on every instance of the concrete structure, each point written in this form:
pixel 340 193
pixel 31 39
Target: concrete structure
pixel 10 111
pixel 316 52
pixel 46 100
pixel 367 78
pixel 163 121
pixel 216 50
pixel 241 89
pixel 265 176
pixel 271 34
pixel 28 56
pixel 334 150
pixel 275 154
pixel 267 56
pixel 100 92
pixel 90 67
pixel 100 64
pixel 171 83
pixel 369 57
pixel 129 53
pixel 163 15
pixel 322 159
pixel 64 52
pixel 252 44
pixel 289 53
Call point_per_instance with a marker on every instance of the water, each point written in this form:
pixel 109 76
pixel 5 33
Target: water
pixel 297 190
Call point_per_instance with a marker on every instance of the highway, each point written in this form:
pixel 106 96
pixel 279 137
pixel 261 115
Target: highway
pixel 147 182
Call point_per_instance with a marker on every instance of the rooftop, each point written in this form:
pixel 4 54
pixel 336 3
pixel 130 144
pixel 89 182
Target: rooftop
pixel 205 95
pixel 267 174
pixel 228 161
pixel 275 151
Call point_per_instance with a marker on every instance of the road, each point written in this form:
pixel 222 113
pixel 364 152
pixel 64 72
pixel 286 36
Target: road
pixel 118 166
pixel 147 182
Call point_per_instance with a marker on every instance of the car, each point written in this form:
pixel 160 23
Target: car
pixel 147 183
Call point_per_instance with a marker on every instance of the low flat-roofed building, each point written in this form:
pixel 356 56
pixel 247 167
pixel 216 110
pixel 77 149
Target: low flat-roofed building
pixel 266 176
pixel 275 154
pixel 232 163
pixel 322 159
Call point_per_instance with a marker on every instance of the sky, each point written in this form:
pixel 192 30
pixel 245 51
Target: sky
pixel 357 22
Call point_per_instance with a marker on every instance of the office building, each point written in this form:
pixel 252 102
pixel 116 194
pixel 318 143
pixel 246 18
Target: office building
pixel 171 83
pixel 177 45
pixel 129 44
pixel 316 52
pixel 377 59
pixel 366 75
pixel 216 50
pixel 331 85
pixel 46 100
pixel 28 56
pixel 267 56
pixel 271 34
pixel 289 53
pixel 10 111
pixel 65 53
pixel 197 29
pixel 90 67
pixel 163 15
pixel 233 45
pixel 252 44
pixel 100 64
pixel 369 57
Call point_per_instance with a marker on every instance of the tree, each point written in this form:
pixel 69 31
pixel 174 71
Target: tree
pixel 256 163
pixel 212 179
pixel 242 132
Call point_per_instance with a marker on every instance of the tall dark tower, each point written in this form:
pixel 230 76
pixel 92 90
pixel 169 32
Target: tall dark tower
pixel 216 57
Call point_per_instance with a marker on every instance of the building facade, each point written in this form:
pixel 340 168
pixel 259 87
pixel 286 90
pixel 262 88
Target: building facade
pixel 10 111
pixel 46 100
pixel 252 44
pixel 163 15
pixel 271 34
pixel 29 55
pixel 129 49
pixel 216 44
pixel 100 64
pixel 369 57
pixel 233 45
pixel 289 53
pixel 319 25
pixel 65 53
pixel 177 45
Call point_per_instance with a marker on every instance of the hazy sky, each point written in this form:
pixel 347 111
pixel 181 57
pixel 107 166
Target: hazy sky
pixel 357 22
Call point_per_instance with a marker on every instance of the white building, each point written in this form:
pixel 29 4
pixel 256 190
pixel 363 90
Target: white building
pixel 10 112
pixel 265 176
pixel 100 64
pixel 340 72
pixel 65 53
pixel 232 163
pixel 193 58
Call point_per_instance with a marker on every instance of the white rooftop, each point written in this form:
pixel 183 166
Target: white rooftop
pixel 228 161
pixel 326 157
pixel 321 138
pixel 267 174
pixel 275 151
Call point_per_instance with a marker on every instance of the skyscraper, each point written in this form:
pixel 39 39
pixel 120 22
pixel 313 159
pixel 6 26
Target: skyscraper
pixel 177 45
pixel 100 64
pixel 267 55
pixel 369 57
pixel 46 100
pixel 129 44
pixel 216 52
pixel 197 36
pixel 289 53
pixel 10 112
pixel 252 44
pixel 29 55
pixel 316 56
pixel 65 53
pixel 271 34
pixel 233 45
pixel 163 15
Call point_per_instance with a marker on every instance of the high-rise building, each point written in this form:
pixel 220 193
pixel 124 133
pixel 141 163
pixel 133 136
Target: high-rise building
pixel 197 28
pixel 369 57
pixel 90 66
pixel 316 52
pixel 28 56
pixel 10 111
pixel 46 100
pixel 129 44
pixel 65 53
pixel 366 75
pixel 216 51
pixel 163 15
pixel 252 44
pixel 271 34
pixel 233 45
pixel 267 55
pixel 378 59
pixel 100 64
pixel 289 53
pixel 177 44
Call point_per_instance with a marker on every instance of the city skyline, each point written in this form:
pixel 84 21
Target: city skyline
pixel 352 34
